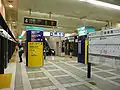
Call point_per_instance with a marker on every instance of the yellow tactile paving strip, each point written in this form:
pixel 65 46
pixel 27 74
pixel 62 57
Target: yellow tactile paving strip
pixel 5 80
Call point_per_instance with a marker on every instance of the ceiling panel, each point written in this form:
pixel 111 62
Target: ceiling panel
pixel 117 2
pixel 69 13
pixel 72 8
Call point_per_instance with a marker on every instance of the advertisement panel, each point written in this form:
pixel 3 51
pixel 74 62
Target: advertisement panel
pixel 35 54
pixel 34 43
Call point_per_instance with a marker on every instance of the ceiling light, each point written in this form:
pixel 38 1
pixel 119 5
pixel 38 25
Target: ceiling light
pixel 11 6
pixel 118 25
pixel 100 3
pixel 23 32
pixel 14 22
pixel 0 5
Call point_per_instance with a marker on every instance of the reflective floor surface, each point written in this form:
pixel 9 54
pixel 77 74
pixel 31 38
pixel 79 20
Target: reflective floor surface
pixel 64 73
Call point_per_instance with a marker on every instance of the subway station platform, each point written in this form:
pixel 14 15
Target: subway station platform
pixel 62 73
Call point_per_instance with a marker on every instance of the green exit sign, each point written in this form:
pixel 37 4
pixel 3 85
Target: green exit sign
pixel 20 37
pixel 67 38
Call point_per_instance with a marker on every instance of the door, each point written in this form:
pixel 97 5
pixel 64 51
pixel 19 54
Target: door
pixel 1 55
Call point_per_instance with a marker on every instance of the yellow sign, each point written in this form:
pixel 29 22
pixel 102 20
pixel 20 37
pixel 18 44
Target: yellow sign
pixel 35 54
pixel 5 80
pixel 86 51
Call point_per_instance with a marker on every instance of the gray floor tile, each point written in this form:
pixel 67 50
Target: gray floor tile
pixel 116 72
pixel 50 68
pixel 66 80
pixel 80 65
pixel 104 84
pixel 20 88
pixel 40 74
pixel 79 87
pixel 72 62
pixel 54 89
pixel 36 75
pixel 104 67
pixel 117 80
pixel 83 87
pixel 31 75
pixel 104 74
pixel 41 83
pixel 56 73
pixel 32 69
pixel 47 65
pixel 18 78
pixel 73 88
pixel 93 69
pixel 75 71
pixel 38 83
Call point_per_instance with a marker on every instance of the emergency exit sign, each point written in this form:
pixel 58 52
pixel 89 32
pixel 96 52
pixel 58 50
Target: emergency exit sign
pixel 20 37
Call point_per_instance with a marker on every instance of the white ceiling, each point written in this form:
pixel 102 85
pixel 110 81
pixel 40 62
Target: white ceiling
pixel 72 8
pixel 69 13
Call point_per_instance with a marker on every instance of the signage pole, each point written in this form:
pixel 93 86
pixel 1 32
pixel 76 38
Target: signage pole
pixel 89 64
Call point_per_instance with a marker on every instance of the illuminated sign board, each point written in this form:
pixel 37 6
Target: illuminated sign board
pixel 41 22
pixel 84 30
pixel 57 34
pixel 20 37
pixel 34 28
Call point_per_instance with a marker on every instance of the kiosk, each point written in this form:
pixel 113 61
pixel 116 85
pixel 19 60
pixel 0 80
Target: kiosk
pixel 34 44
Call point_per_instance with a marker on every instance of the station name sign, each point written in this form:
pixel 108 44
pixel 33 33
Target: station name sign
pixel 57 34
pixel 41 22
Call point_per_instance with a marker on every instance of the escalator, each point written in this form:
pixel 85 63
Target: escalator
pixel 49 51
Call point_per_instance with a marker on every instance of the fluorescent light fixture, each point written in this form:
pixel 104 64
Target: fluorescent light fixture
pixel 118 25
pixel 0 5
pixel 11 6
pixel 82 28
pixel 67 35
pixel 46 33
pixel 100 3
pixel 23 32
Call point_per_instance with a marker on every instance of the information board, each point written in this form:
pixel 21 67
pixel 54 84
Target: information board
pixel 104 47
pixel 107 43
pixel 57 34
pixel 35 54
pixel 42 22
pixel 36 36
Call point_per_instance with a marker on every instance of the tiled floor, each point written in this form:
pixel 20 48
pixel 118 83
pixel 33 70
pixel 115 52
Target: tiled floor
pixel 104 74
pixel 79 87
pixel 117 80
pixel 18 78
pixel 39 83
pixel 65 73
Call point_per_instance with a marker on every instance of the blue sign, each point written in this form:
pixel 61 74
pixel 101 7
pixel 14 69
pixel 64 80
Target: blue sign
pixel 57 34
pixel 36 36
